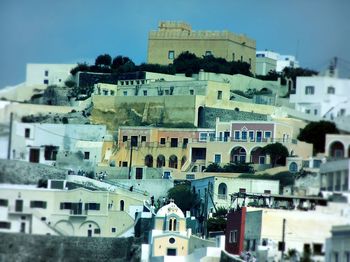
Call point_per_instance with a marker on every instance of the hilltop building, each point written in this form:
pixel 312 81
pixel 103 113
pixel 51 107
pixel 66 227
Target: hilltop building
pixel 173 38
pixel 267 61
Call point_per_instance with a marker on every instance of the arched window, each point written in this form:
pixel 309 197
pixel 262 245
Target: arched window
pixel 222 189
pixel 160 161
pixel 293 167
pixel 173 161
pixel 172 224
pixel 121 205
pixel 149 161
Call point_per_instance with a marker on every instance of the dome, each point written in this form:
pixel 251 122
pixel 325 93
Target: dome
pixel 168 209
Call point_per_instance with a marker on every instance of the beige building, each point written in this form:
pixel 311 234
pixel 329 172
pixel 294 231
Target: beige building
pixel 173 38
pixel 77 212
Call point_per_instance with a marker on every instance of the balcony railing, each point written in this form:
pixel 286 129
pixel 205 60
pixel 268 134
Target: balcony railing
pixel 78 212
pixel 209 139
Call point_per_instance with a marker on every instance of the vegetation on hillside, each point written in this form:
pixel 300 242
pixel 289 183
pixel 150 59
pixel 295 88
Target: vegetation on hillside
pixel 230 168
pixel 186 63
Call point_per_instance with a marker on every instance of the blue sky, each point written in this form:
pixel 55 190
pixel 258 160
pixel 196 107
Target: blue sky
pixel 69 31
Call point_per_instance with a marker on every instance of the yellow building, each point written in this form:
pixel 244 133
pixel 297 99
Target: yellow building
pixel 169 236
pixel 77 212
pixel 173 38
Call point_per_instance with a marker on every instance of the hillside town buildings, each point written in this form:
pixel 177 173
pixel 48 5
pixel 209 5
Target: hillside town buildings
pixel 141 134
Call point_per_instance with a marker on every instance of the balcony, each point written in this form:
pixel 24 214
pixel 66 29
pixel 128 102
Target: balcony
pixel 78 213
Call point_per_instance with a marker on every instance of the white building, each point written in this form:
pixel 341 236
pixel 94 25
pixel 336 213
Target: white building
pixel 268 60
pixel 221 189
pixel 48 74
pixel 40 143
pixel 303 229
pixel 322 96
pixel 58 211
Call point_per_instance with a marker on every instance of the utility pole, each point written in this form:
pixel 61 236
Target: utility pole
pixel 10 137
pixel 283 245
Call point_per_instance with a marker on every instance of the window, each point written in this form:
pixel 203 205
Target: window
pixel 250 61
pixel 244 135
pixel 166 175
pixel 236 135
pixel 38 204
pixel 171 54
pixel 171 240
pixel 219 95
pixel 242 190
pixel 267 192
pixel 331 90
pixel 315 111
pixel 251 135
pixel 309 90
pixel 184 142
pixel 46 81
pixel 267 134
pixel 145 92
pixel 233 56
pixel 173 142
pixel 203 136
pixel 112 93
pixel 46 73
pixel 191 92
pixel 233 236
pixel 241 58
pixel 4 202
pixel 307 111
pixel 97 231
pixel 121 203
pixel 131 82
pixel 113 230
pixel 27 133
pixel 124 163
pixel 127 83
pixel 162 140
pixel 217 158
pixel 125 93
pixel 208 53
pixel 166 92
pixel 50 152
pixel 92 206
pixel 143 139
pixel 86 155
pixel 4 224
pixel 317 248
pixel 190 176
pixel 65 205
pixel 125 138
pixel 134 141
pixel 172 224
pixel 122 83
pixel 342 111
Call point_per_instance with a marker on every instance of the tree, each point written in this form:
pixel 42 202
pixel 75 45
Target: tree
pixel 103 60
pixel 315 133
pixel 216 224
pixel 277 152
pixel 293 73
pixel 183 197
pixel 81 67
